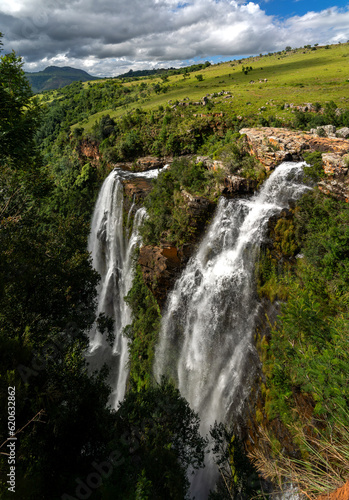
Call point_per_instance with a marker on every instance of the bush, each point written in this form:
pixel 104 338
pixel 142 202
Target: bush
pixel 167 214
pixel 315 170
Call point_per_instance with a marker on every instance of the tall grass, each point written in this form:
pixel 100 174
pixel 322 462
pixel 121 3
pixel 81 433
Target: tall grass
pixel 322 466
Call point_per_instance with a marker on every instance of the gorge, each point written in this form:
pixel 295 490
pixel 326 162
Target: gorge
pixel 206 343
pixel 225 277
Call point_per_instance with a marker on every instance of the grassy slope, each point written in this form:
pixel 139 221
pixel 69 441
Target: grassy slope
pixel 300 76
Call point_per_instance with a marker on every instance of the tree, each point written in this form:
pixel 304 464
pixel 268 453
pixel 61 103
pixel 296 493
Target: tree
pixel 238 477
pixel 47 304
pixel 18 112
pixel 158 438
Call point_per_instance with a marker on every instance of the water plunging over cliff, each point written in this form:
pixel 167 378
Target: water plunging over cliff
pixel 112 252
pixel 206 338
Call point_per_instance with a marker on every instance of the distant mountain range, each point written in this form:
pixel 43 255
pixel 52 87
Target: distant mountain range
pixel 54 77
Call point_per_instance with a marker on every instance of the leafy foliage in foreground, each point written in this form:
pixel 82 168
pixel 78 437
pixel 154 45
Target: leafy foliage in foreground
pixel 47 293
pixel 238 477
pixel 158 440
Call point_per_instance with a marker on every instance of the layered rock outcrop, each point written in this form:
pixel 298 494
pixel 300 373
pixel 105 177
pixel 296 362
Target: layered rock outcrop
pixel 271 146
pixel 160 268
pixel 144 164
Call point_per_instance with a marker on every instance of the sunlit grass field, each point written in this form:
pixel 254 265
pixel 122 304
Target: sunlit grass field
pixel 298 76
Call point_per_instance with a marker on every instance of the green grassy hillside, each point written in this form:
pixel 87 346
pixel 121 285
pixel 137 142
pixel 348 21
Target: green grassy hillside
pixel 298 76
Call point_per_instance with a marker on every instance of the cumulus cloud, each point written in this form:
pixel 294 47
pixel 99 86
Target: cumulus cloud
pixel 108 37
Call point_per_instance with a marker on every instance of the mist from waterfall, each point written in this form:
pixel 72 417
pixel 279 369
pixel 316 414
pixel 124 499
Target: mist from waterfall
pixel 206 339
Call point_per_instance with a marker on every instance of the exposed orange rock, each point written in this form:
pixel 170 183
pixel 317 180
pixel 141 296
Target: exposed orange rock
pixel 88 148
pixel 137 188
pixel 340 494
pixel 160 268
pixel 171 253
pixel 271 146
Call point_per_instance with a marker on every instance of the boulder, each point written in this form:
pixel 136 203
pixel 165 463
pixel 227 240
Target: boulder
pixel 196 205
pixel 149 163
pixel 144 164
pixel 343 132
pixel 330 130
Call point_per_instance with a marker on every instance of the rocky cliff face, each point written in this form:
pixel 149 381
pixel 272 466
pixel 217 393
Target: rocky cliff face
pixel 161 265
pixel 160 268
pixel 135 190
pixel 88 149
pixel 271 146
pixel 143 164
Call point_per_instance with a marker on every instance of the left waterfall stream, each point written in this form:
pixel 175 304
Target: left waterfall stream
pixel 112 250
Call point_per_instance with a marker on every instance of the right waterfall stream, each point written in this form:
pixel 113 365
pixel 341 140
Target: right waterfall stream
pixel 206 338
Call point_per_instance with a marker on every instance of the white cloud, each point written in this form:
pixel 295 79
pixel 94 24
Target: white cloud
pixel 108 37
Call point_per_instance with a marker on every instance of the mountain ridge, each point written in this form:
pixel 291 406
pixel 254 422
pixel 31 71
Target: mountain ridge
pixel 55 77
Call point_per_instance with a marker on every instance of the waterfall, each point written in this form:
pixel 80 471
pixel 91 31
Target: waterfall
pixel 111 250
pixel 206 338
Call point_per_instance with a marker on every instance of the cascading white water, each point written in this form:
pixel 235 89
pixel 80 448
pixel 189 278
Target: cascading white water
pixel 205 342
pixel 111 253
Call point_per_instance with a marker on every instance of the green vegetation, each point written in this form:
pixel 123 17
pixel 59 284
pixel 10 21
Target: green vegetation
pixel 298 76
pixel 142 333
pixel 157 440
pixel 315 170
pixel 328 115
pixel 48 287
pixel 47 291
pixel 66 433
pixel 307 357
pixel 169 218
pixel 238 477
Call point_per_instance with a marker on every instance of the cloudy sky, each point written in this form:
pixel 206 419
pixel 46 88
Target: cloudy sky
pixel 109 37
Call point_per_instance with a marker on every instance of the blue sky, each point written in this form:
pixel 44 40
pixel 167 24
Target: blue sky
pixel 109 37
pixel 286 8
